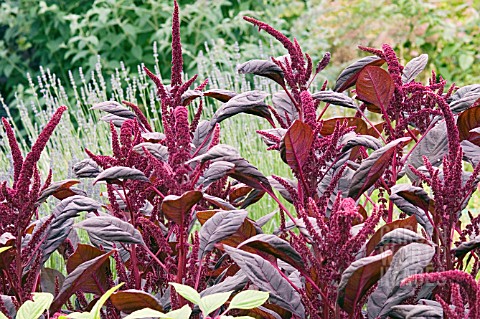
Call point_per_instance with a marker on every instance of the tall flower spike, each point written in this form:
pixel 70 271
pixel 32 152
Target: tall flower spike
pixel 323 63
pixel 32 158
pixel 292 50
pixel 465 280
pixel 141 117
pixel 15 149
pixel 309 113
pixel 161 92
pixel 177 60
pixel 394 67
pixel 374 51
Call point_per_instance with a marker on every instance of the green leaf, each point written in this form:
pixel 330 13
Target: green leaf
pixel 212 302
pixel 5 249
pixel 248 299
pixel 147 313
pixel 2 316
pixel 33 309
pixel 187 292
pixel 79 315
pixel 99 304
pixel 182 313
pixel 95 312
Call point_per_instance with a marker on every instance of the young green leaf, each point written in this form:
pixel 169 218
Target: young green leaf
pixel 147 313
pixel 187 292
pixel 33 309
pixel 210 303
pixel 99 304
pixel 248 299
pixel 182 313
pixel 2 249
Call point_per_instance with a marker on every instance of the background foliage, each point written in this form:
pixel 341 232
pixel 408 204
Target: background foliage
pixel 65 35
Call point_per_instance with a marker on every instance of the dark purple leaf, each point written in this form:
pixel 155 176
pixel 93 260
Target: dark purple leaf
pixel 251 102
pixel 284 106
pixel 86 169
pixel 466 247
pixel 434 146
pixel 417 311
pixel 349 75
pixel 335 98
pixel 220 203
pixel 415 201
pixel 296 145
pixel 361 140
pixel 60 190
pixel 220 94
pixel 48 279
pixel 176 208
pixel 110 228
pixel 468 120
pixel 62 222
pixel 75 280
pixel 216 153
pixel 114 108
pixel 359 277
pixel 329 125
pixel 116 120
pixel 232 283
pixel 263 68
pixel 9 305
pixel 246 230
pixel 409 260
pixel 400 236
pixel 408 223
pixel 263 275
pixel 113 174
pixel 372 168
pixel 220 226
pixel 189 96
pixel 153 137
pixel 265 219
pixel 375 85
pixel 97 282
pixel 252 197
pixel 215 172
pixel 275 246
pixel 158 151
pixel 202 137
pixel 464 97
pixel 414 67
pixel 248 174
pixel 131 300
pixel 471 152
